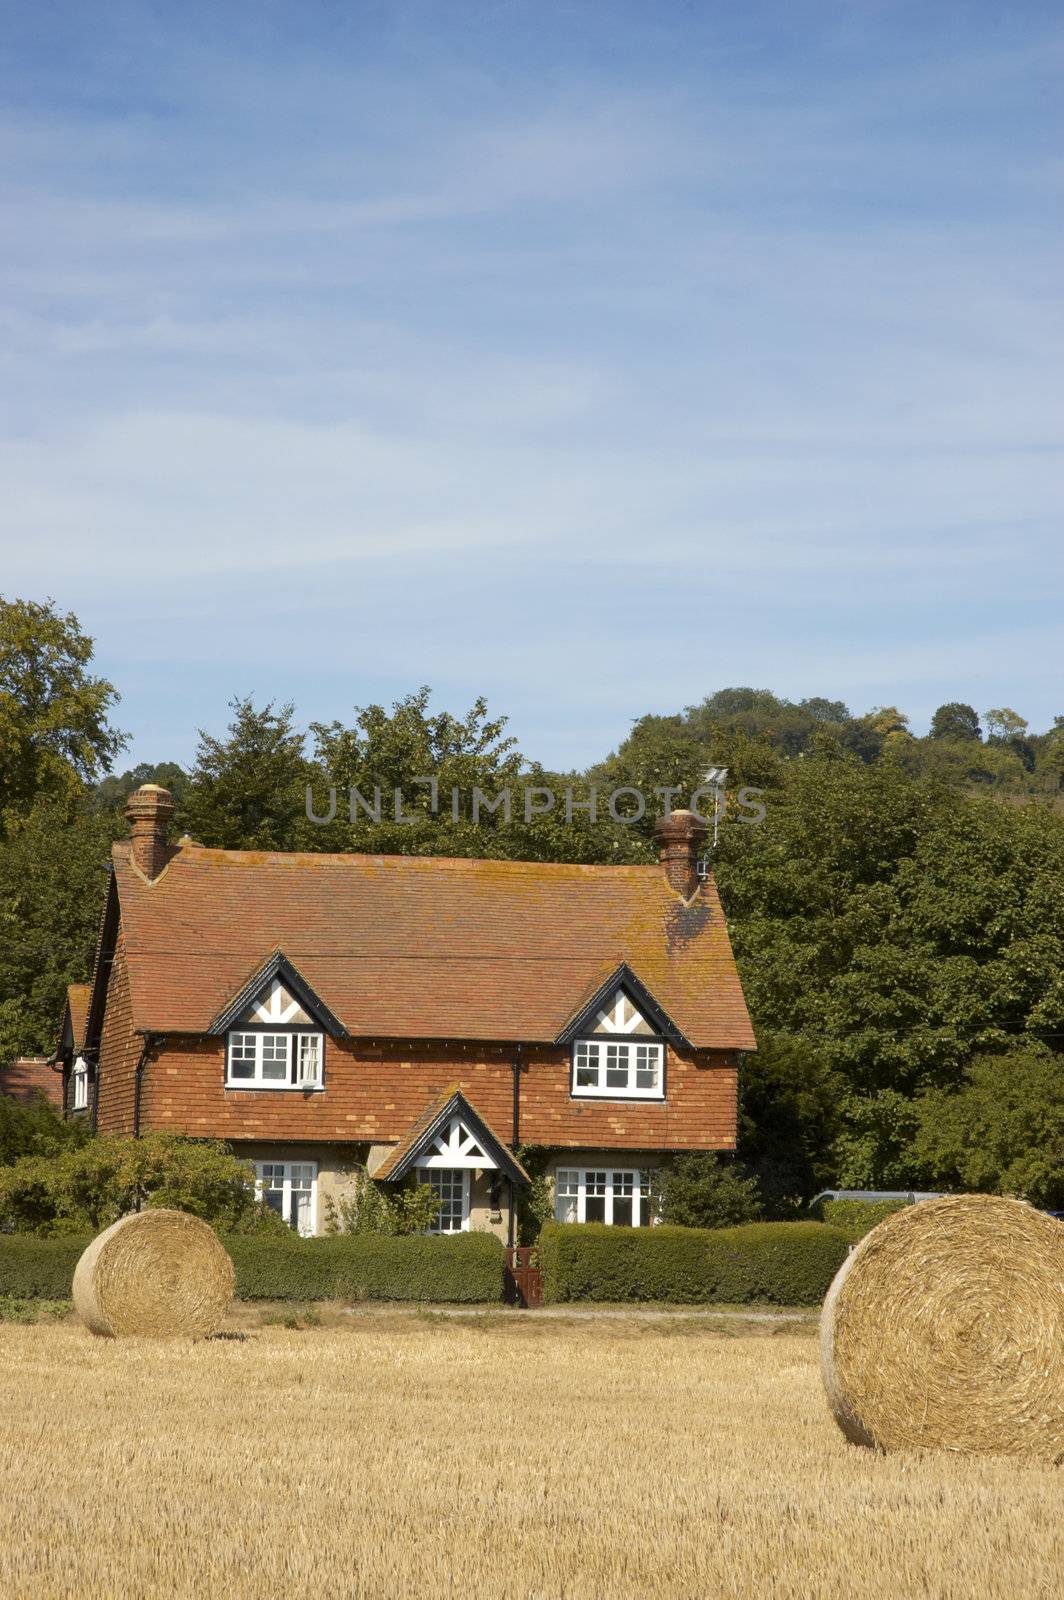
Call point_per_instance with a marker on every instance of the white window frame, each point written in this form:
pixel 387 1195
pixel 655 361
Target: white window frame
pixel 288 1177
pixel 432 1176
pixel 607 1052
pixel 574 1183
pixel 79 1080
pixel 297 1043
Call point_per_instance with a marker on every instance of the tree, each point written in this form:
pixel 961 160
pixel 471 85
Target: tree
pixel 435 761
pixel 112 793
pixel 1004 723
pixel 36 1129
pixel 702 1191
pixel 87 1187
pixel 246 792
pixel 789 1120
pixel 955 720
pixel 54 730
pixel 52 879
pixel 1001 1131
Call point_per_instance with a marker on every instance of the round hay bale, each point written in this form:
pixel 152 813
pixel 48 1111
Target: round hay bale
pixel 160 1273
pixel 944 1329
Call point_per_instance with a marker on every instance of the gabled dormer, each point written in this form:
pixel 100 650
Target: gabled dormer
pixel 618 1040
pixel 275 1028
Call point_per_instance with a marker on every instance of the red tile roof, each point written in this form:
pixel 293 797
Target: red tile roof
pixel 425 947
pixel 30 1076
pixel 78 1005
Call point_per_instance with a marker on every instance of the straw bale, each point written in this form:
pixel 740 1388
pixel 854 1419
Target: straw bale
pixel 944 1329
pixel 160 1273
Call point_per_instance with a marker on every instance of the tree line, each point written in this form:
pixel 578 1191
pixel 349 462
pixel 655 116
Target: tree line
pixel 898 918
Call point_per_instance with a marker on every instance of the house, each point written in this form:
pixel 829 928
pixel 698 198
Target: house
pixel 410 1015
pixel 74 1093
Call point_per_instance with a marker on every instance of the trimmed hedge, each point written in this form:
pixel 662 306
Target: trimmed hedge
pixel 467 1268
pixel 778 1263
pixel 38 1269
pixel 857 1217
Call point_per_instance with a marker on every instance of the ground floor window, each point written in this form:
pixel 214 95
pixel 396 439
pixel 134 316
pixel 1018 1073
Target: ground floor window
pixel 450 1185
pixel 617 1195
pixel 291 1189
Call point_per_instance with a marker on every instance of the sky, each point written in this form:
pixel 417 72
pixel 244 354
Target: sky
pixel 589 357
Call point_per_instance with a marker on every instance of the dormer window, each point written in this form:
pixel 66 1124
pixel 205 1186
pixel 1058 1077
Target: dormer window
pixel 627 1070
pixel 621 1056
pixel 79 1078
pixel 264 1058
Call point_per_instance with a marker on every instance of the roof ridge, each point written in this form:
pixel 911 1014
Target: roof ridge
pixel 357 857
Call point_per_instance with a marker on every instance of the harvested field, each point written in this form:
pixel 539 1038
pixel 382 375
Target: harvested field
pixel 496 1457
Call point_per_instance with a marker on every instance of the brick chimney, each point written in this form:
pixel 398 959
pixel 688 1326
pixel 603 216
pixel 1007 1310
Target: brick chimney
pixel 149 810
pixel 680 837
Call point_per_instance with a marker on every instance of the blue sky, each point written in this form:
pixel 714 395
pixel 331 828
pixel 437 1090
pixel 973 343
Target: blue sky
pixel 590 357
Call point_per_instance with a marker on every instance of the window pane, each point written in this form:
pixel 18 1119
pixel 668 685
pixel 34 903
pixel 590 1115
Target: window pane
pixel 310 1057
pixel 566 1195
pixel 275 1057
pixel 623 1199
pixel 302 1201
pixel 616 1066
pixel 448 1185
pixel 242 1055
pixel 595 1196
pixel 587 1066
pixel 647 1066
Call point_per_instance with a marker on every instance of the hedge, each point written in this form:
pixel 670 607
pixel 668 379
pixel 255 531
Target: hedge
pixel 857 1217
pixel 778 1263
pixel 38 1269
pixel 467 1268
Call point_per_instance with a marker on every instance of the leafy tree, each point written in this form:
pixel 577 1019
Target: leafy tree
pixel 52 878
pixel 112 793
pixel 452 756
pixel 702 1191
pixel 1004 723
pixel 246 792
pixel 789 1120
pixel 54 729
pixel 955 720
pixel 36 1129
pixel 88 1186
pixel 1000 1131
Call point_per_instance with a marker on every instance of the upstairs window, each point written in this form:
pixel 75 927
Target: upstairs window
pixel 79 1079
pixel 622 1069
pixel 269 1059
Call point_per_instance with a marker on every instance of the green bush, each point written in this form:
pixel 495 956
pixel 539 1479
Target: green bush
pixel 857 1217
pixel 86 1187
pixel 778 1263
pixel 466 1269
pixel 700 1190
pixel 38 1269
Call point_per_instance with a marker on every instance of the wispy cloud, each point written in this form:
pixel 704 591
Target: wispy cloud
pixel 591 367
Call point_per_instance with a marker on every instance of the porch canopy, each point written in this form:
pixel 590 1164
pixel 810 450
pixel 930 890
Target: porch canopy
pixel 451 1132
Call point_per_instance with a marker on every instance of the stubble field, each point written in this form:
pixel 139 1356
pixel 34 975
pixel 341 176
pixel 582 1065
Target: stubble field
pixel 501 1458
